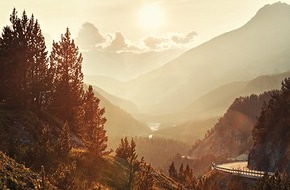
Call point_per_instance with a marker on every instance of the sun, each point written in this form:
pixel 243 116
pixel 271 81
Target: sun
pixel 151 17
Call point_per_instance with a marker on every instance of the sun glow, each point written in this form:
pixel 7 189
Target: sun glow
pixel 151 17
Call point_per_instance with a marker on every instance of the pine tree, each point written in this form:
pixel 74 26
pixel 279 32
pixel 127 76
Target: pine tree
pixel 145 178
pixel 128 153
pixel 67 78
pixel 172 171
pixel 181 177
pixel 23 63
pixel 123 150
pixel 39 69
pixel 189 180
pixel 64 143
pixel 93 132
pixel 133 164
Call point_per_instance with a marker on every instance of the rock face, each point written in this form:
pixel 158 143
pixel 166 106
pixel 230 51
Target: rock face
pixel 271 134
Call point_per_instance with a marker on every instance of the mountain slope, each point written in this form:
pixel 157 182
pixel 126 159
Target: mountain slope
pixel 126 105
pixel 218 100
pixel 230 137
pixel 259 47
pixel 124 65
pixel 119 122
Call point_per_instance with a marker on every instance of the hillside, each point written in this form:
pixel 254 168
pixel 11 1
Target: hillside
pixel 230 137
pixel 124 104
pixel 23 136
pixel 188 132
pixel 16 176
pixel 192 123
pixel 222 181
pixel 259 47
pixel 215 102
pixel 270 151
pixel 119 122
pixel 157 150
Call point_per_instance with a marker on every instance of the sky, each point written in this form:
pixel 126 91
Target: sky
pixel 138 19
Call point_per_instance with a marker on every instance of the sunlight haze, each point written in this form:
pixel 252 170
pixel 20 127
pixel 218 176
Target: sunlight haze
pixel 139 18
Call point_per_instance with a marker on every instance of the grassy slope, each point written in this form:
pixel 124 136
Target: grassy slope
pixel 16 176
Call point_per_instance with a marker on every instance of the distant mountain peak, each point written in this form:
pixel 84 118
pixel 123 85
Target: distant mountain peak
pixel 273 12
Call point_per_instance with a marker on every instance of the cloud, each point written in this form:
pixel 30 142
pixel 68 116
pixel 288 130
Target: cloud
pixel 118 43
pixel 173 40
pixel 184 38
pixel 153 42
pixel 89 36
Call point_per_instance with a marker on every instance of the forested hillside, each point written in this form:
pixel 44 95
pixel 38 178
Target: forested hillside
pixel 56 127
pixel 271 134
pixel 229 138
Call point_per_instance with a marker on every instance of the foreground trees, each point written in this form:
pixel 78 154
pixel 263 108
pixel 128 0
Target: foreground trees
pixel 23 63
pixel 93 132
pixel 67 80
pixel 140 174
pixel 53 85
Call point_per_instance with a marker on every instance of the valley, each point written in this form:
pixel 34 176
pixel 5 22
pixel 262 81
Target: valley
pixel 163 111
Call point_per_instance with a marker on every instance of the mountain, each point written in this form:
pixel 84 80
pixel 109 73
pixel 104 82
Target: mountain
pixel 215 102
pixel 187 132
pixel 119 122
pixel 193 122
pixel 271 149
pixel 124 65
pixel 109 84
pixel 259 47
pixel 231 135
pixel 126 105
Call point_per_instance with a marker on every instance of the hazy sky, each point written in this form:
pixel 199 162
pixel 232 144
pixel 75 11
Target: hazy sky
pixel 137 18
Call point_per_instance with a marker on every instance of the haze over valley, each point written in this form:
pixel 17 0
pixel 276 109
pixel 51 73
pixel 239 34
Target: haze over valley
pixel 145 94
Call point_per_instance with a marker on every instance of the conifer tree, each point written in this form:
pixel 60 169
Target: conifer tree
pixel 123 150
pixel 93 132
pixel 64 143
pixel 145 178
pixel 133 164
pixel 23 63
pixel 67 78
pixel 181 176
pixel 128 153
pixel 172 171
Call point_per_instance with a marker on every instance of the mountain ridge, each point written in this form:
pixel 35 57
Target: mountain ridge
pixel 241 54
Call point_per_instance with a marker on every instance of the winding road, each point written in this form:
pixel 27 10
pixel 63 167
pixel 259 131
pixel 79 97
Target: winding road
pixel 239 168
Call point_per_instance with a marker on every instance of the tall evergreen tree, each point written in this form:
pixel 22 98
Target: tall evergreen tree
pixel 181 176
pixel 127 152
pixel 64 143
pixel 67 78
pixel 133 164
pixel 93 132
pixel 172 171
pixel 23 62
pixel 144 178
pixel 123 150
